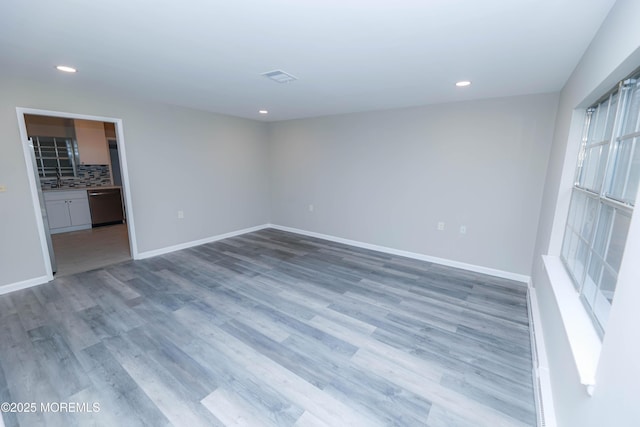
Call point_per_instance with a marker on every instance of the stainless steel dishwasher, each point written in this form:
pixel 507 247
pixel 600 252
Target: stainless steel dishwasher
pixel 106 206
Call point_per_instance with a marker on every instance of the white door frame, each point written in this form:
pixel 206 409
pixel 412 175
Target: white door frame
pixel 24 139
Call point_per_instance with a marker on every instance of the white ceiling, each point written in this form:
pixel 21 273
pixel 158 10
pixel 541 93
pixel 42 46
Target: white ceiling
pixel 349 55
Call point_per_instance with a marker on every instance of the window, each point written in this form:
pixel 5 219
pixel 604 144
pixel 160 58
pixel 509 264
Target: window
pixel 55 156
pixel 603 197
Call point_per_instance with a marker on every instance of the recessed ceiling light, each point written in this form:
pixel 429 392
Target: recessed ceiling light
pixel 66 69
pixel 463 83
pixel 263 112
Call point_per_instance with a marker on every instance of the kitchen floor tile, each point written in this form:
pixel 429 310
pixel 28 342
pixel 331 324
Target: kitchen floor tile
pixel 86 250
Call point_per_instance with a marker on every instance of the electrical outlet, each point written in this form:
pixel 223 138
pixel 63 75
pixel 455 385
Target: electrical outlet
pixel 463 229
pixel 311 208
pixel 180 214
pixel 3 188
pixel 440 226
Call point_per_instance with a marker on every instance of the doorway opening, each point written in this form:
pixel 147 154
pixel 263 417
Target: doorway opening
pixel 80 189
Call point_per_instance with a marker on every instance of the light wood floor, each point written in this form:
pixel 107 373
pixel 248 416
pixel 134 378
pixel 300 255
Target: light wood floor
pixel 86 250
pixel 270 329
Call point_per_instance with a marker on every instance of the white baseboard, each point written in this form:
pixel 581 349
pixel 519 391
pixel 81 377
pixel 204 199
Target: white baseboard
pixel 442 261
pixel 148 254
pixel 541 377
pixel 169 249
pixel 69 229
pixel 12 287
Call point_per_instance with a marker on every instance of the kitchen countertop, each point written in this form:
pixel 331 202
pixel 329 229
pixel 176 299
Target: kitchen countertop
pixel 103 187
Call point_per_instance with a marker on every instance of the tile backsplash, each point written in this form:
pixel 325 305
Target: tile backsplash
pixel 88 176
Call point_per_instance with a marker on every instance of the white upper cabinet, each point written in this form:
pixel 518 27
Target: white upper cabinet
pixel 92 142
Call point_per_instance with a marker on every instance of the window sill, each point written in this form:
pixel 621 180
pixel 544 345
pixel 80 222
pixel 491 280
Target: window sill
pixel 583 338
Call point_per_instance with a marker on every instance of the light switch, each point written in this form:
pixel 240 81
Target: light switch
pixel 3 188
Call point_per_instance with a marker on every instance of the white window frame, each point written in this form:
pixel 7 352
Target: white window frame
pixel 66 159
pixel 583 254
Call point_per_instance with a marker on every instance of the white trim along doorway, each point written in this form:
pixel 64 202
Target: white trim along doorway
pixel 33 183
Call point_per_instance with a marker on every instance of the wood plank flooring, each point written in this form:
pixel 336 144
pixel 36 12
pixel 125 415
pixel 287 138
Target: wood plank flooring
pixel 270 329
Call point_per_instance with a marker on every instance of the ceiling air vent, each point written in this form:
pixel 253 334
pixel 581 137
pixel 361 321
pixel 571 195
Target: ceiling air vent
pixel 280 76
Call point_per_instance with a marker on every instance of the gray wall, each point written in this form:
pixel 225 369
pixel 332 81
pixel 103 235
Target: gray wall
pixel 387 178
pixel 210 166
pixel 613 54
pixel 384 178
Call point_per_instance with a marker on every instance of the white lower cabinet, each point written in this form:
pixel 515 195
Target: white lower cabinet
pixel 67 210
